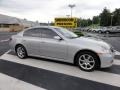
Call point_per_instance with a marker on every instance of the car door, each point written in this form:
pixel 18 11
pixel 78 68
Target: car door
pixel 50 47
pixel 31 41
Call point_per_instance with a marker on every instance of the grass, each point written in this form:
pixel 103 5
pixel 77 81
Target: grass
pixel 94 26
pixel 79 33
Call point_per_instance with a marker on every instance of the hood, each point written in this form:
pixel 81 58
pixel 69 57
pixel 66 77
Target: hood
pixel 90 41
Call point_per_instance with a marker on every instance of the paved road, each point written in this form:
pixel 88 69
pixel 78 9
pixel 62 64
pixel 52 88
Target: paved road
pixel 4 46
pixel 50 75
pixel 113 39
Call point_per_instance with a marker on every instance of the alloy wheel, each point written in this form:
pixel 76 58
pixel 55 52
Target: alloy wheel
pixel 21 52
pixel 86 62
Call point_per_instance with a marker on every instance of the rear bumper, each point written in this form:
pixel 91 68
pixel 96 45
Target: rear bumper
pixel 107 60
pixel 12 46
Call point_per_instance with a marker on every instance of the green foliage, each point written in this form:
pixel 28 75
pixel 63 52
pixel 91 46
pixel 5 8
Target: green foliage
pixel 106 18
pixel 96 20
pixel 84 22
pixel 94 26
pixel 116 17
pixel 79 33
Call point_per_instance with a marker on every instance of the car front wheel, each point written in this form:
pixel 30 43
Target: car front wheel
pixel 87 61
pixel 21 52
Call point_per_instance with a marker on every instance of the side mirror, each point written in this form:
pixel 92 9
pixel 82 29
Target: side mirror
pixel 57 38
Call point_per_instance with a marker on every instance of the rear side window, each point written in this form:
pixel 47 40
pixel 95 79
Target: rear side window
pixel 47 33
pixel 32 32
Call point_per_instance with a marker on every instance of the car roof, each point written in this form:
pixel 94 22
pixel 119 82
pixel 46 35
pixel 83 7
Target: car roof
pixel 50 27
pixel 44 27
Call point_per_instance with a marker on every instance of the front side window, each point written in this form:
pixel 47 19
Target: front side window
pixel 32 32
pixel 47 33
pixel 66 33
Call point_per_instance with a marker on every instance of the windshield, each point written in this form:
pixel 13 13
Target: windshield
pixel 66 33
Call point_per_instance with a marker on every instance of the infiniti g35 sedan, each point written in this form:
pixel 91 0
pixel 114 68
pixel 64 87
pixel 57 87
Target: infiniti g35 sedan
pixel 56 43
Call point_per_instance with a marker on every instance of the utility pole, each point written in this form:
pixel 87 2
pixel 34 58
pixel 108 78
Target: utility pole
pixel 71 7
pixel 111 20
pixel 99 21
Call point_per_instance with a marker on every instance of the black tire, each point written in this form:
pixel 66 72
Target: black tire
pixel 99 32
pixel 24 52
pixel 107 32
pixel 93 55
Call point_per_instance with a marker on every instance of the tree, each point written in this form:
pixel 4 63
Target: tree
pixel 105 18
pixel 96 20
pixel 116 17
pixel 84 22
pixel 78 22
pixel 89 22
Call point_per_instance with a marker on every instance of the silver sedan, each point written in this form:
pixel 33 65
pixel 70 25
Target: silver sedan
pixel 60 44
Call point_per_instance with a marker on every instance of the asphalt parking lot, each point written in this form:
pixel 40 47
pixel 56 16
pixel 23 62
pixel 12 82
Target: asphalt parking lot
pixel 4 46
pixel 39 74
pixel 113 39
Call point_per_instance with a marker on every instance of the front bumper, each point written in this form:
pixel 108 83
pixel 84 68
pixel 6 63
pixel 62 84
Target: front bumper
pixel 106 59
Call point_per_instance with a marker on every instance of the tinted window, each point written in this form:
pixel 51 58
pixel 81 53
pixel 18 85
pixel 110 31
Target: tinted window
pixel 32 32
pixel 47 33
pixel 66 33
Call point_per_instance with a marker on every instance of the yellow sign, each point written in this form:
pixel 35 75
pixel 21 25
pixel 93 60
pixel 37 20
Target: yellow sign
pixel 66 22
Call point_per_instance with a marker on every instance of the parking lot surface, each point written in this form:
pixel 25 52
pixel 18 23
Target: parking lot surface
pixel 113 39
pixel 4 45
pixel 51 75
pixel 41 74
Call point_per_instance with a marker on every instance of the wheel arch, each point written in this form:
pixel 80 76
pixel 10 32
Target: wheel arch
pixel 87 51
pixel 18 45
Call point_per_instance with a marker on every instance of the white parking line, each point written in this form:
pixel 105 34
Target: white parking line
pixel 15 84
pixel 117 62
pixel 4 40
pixel 117 53
pixel 98 76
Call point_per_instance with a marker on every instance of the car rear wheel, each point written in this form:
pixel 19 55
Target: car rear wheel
pixel 99 32
pixel 107 32
pixel 21 51
pixel 87 61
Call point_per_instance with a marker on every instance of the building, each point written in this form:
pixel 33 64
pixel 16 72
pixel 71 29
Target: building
pixel 8 23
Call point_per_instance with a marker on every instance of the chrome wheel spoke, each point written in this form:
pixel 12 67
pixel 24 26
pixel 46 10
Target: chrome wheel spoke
pixel 86 61
pixel 89 65
pixel 83 63
pixel 88 57
pixel 81 60
pixel 86 66
pixel 84 57
pixel 20 52
pixel 90 61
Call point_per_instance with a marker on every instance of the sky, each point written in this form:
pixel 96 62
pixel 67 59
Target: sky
pixel 47 10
